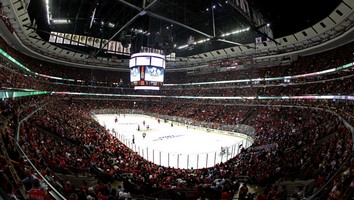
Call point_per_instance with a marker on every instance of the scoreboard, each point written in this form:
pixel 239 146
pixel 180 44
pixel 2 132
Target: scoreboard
pixel 147 70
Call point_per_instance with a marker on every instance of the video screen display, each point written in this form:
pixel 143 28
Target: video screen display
pixel 132 63
pixel 155 74
pixel 142 61
pixel 158 62
pixel 134 74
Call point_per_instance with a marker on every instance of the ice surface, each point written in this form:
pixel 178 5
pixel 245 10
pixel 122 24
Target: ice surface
pixel 176 146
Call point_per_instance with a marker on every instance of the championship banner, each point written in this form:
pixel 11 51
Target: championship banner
pixel 82 40
pixel 258 40
pixel 75 40
pixel 67 38
pixel 53 37
pixel 60 38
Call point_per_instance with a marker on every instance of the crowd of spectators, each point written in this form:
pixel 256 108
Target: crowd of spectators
pixel 88 76
pixel 10 78
pixel 308 64
pixel 62 137
pixel 337 83
pixel 292 138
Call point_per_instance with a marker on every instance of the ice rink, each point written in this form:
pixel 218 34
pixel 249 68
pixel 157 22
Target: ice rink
pixel 173 145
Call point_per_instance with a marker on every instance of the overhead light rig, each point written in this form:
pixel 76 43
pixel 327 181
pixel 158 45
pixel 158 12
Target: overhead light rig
pixel 144 10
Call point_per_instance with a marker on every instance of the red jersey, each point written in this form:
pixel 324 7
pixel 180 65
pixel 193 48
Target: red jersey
pixel 37 194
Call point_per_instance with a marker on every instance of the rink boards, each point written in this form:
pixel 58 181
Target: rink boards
pixel 173 145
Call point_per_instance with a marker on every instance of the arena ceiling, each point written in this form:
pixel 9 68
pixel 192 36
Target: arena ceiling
pixel 167 24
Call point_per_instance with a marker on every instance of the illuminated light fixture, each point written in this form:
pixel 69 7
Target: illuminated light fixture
pixel 111 25
pixel 47 9
pixel 198 42
pixel 268 24
pixel 92 17
pixel 146 88
pixel 235 32
pixel 182 47
pixel 140 31
pixel 61 21
pixel 202 41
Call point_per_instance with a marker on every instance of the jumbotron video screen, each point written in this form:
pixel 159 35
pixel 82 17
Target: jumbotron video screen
pixel 147 70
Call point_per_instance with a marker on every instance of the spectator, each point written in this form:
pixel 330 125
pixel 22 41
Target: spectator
pixel 243 192
pixel 36 192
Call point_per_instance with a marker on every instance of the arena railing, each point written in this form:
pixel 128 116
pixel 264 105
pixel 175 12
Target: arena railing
pixel 12 170
pixel 319 192
pixel 186 160
pixel 53 192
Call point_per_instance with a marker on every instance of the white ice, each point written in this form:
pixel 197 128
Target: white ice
pixel 178 146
